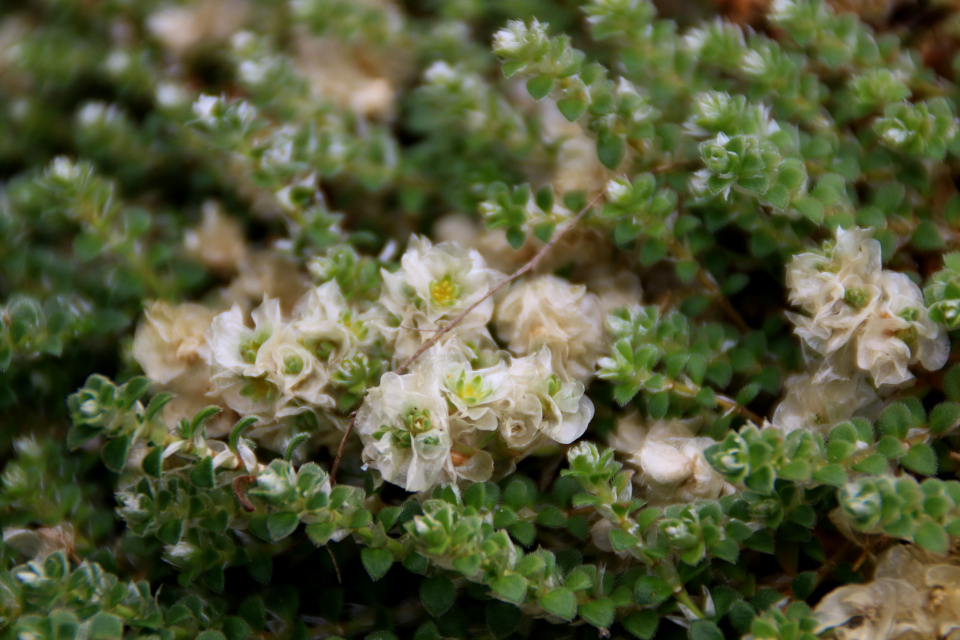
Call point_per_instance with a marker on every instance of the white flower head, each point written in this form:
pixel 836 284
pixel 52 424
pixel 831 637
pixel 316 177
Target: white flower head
pixel 474 396
pixel 547 311
pixel 839 291
pixel 441 72
pixel 171 339
pixel 436 283
pixel 170 94
pixel 404 427
pixel 542 403
pixel 820 405
pixel 218 241
pixel 207 108
pixel 618 189
pixel 669 457
pixel 901 333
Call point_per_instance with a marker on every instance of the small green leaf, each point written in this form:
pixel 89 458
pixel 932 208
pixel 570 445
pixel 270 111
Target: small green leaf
pixel 707 397
pixel 523 532
pixel 511 587
pixel 551 516
pixel 803 584
pixel 295 442
pixel 169 533
pixel 516 237
pixel 544 231
pixel 202 416
pixel 921 458
pixel 621 540
pixel 282 524
pixel 437 595
pixel 933 537
pixel 832 474
pixel 927 237
pixel 105 626
pixel 705 630
pixel 951 383
pixel 651 590
pixel 944 417
pixel 610 149
pixel 599 613
pixel 727 550
pixel 153 462
pixel 896 420
pixel 560 602
pixel 642 624
pixel 544 200
pixel 80 434
pixel 114 453
pixel 238 429
pixel 580 579
pixel 236 628
pixel 873 464
pixel 202 474
pixel 376 561
pixel 157 402
pixel 539 87
pixel 321 532
pixel 502 618
pixel 572 108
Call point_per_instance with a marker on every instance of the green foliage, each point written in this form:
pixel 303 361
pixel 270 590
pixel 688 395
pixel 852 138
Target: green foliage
pixel 226 153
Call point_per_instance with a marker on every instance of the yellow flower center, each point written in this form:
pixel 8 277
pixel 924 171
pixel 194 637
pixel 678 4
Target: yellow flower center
pixel 444 291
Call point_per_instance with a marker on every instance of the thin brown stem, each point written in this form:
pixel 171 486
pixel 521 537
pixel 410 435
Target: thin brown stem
pixel 708 283
pixel 240 491
pixel 343 445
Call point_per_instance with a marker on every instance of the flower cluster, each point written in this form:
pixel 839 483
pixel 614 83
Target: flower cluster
pixel 863 327
pixel 913 593
pixel 467 409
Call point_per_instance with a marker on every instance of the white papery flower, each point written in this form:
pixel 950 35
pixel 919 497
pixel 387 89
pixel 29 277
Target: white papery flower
pixel 839 291
pixel 204 108
pixel 266 370
pixel 218 241
pixel 935 578
pixel 324 323
pixel 474 396
pixel 670 460
pixel 234 346
pixel 170 340
pixel 542 403
pixel 882 609
pixel 434 284
pixel 547 311
pixel 403 424
pixel 821 405
pixel 901 333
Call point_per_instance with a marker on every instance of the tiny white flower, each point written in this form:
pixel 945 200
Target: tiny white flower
pixel 669 457
pixel 403 424
pixel 821 405
pixel 170 340
pixel 170 94
pixel 435 283
pixel 204 108
pixel 618 189
pixel 547 311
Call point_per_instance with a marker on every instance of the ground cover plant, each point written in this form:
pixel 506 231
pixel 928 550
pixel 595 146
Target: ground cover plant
pixel 462 319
